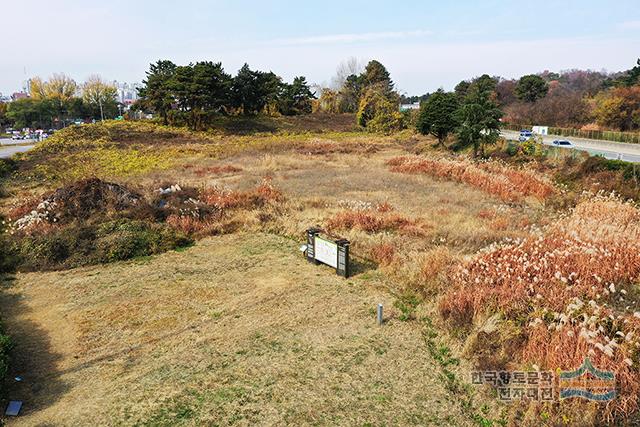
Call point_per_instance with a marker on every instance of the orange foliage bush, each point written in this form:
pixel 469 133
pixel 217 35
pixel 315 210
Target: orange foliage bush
pixel 384 207
pixel 487 214
pixel 189 224
pixel 383 254
pixel 510 185
pixel 216 170
pixel 373 221
pixel 223 198
pixel 223 201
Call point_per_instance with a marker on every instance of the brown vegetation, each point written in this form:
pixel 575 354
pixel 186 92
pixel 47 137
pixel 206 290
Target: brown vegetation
pixel 571 288
pixel 500 180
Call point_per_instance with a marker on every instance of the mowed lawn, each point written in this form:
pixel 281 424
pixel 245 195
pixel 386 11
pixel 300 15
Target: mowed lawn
pixel 237 330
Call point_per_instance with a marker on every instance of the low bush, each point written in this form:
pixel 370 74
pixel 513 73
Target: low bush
pixel 596 173
pixel 372 221
pixel 93 221
pixel 7 260
pixel 6 167
pixel 383 253
pixel 225 199
pixel 215 170
pixel 85 244
pixel 319 147
pixel 125 239
pixel 6 345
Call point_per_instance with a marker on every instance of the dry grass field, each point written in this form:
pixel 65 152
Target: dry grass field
pixel 239 329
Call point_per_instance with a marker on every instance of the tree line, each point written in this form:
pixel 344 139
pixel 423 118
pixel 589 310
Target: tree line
pixel 192 94
pixel 54 102
pixel 572 98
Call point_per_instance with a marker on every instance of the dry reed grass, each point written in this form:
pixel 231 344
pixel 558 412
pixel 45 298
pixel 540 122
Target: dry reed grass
pixel 498 179
pixel 573 284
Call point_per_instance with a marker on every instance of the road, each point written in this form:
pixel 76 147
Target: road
pixel 608 149
pixel 8 147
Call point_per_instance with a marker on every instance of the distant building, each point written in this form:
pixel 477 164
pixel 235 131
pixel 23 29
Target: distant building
pixel 19 95
pixel 407 107
pixel 127 92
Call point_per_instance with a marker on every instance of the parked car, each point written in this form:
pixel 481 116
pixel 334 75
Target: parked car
pixel 16 137
pixel 562 143
pixel 525 135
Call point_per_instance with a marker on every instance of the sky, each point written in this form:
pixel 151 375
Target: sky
pixel 424 44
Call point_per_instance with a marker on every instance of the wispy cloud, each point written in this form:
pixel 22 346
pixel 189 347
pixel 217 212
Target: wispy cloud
pixel 629 25
pixel 352 38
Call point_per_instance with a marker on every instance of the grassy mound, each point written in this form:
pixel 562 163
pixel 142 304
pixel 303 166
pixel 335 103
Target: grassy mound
pixel 94 243
pixel 87 222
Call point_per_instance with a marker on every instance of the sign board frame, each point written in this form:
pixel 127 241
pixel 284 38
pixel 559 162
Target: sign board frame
pixel 334 253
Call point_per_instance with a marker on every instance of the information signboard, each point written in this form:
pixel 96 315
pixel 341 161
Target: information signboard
pixel 332 253
pixel 326 252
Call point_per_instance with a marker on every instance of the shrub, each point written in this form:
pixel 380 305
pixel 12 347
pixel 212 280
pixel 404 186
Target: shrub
pixel 6 167
pixel 193 226
pixel 533 147
pixel 125 239
pixel 378 113
pixel 6 345
pixel 84 244
pixel 6 256
pixel 383 253
pixel 216 170
pixel 596 164
pixel 225 199
pixel 372 221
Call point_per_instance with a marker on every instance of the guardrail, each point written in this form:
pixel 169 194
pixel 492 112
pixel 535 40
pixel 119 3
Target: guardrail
pixel 604 135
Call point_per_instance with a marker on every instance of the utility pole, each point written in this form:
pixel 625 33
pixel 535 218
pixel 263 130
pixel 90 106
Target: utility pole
pixel 101 113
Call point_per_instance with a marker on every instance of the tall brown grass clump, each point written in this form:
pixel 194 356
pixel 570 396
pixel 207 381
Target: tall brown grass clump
pixel 571 288
pixel 500 180
pixel 214 210
pixel 374 221
pixel 224 198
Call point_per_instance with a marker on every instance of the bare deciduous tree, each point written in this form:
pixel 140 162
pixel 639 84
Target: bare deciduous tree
pixel 346 68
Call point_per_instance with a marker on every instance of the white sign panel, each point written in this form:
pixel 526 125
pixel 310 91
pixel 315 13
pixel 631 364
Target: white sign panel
pixel 541 130
pixel 326 252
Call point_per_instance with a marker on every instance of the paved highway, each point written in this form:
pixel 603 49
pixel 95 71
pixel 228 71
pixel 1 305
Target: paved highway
pixel 608 149
pixel 8 147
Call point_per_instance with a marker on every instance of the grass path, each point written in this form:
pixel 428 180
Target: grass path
pixel 238 330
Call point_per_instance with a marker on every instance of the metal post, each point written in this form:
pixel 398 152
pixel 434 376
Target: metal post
pixel 311 244
pixel 343 258
pixel 380 316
